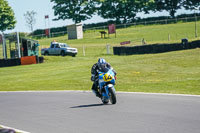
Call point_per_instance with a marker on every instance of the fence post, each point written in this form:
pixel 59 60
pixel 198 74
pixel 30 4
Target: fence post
pixel 18 45
pixel 168 37
pixel 195 26
pixel 4 46
pixel 83 50
pixel 108 48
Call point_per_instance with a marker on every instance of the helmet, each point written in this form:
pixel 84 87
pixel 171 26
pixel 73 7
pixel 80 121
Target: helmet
pixel 101 63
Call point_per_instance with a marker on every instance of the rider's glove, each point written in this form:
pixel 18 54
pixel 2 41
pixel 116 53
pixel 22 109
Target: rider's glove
pixel 114 72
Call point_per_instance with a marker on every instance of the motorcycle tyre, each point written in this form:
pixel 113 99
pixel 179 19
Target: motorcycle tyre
pixel 112 95
pixel 104 101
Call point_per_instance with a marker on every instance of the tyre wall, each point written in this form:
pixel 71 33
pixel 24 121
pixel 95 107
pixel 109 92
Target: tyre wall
pixel 9 62
pixel 18 61
pixel 154 48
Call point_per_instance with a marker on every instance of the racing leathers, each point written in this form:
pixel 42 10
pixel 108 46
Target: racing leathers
pixel 94 71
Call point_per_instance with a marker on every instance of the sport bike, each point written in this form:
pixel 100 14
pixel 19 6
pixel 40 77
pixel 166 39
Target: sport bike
pixel 106 86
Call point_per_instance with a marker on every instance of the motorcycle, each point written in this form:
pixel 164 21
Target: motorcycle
pixel 106 86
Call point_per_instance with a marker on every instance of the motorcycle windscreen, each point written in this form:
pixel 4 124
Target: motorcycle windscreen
pixel 103 68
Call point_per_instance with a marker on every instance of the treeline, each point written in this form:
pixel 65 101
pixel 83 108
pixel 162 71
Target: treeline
pixel 120 11
pixel 116 11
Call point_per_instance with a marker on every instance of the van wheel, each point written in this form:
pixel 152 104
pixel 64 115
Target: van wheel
pixel 46 53
pixel 62 53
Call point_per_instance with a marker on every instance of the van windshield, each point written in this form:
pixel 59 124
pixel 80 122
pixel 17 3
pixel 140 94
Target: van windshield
pixel 64 45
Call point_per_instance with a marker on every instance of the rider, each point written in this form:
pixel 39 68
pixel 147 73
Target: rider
pixel 99 66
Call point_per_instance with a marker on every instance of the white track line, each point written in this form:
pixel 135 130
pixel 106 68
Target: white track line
pixel 86 91
pixel 17 130
pixel 165 94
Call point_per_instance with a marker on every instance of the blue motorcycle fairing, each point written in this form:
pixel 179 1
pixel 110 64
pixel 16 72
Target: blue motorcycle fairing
pixel 103 84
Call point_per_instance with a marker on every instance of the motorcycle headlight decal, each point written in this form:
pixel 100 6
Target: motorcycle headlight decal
pixel 107 77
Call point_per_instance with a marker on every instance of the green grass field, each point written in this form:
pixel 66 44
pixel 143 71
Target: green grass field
pixel 151 33
pixel 173 72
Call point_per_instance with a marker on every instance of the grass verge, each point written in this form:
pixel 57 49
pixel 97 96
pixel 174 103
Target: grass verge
pixel 172 72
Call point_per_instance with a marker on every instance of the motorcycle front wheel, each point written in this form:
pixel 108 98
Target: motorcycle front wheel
pixel 112 95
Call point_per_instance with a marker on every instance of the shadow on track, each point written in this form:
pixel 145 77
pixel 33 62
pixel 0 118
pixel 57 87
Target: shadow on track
pixel 87 106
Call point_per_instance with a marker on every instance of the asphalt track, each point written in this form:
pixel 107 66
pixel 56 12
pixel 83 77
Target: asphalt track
pixel 82 112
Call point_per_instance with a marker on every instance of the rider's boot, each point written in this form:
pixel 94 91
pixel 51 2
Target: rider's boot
pixel 97 93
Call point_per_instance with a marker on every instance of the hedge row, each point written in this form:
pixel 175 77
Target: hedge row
pixel 154 48
pixel 139 20
pixel 149 20
pixel 53 30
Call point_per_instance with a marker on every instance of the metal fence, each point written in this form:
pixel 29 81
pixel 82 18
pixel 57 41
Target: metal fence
pixel 56 34
pixel 118 26
pixel 164 21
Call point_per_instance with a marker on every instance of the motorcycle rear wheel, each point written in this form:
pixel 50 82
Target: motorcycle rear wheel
pixel 104 100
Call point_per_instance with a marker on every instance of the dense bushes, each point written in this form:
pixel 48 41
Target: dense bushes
pixel 53 30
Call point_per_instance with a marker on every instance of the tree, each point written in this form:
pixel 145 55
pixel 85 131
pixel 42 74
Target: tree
pixel 122 10
pixel 169 5
pixel 148 5
pixel 191 4
pixel 30 19
pixel 109 9
pixel 7 18
pixel 77 10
